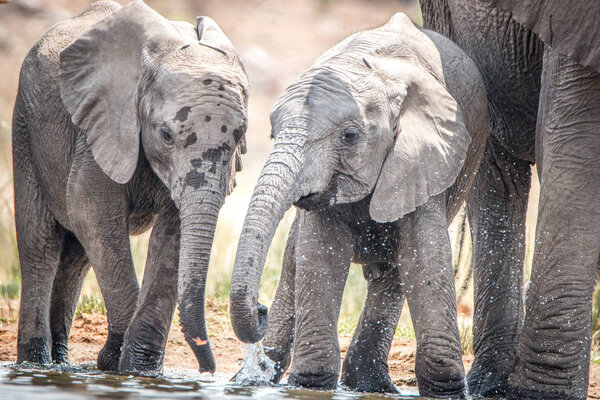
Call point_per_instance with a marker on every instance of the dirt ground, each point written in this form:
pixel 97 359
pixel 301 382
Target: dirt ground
pixel 90 330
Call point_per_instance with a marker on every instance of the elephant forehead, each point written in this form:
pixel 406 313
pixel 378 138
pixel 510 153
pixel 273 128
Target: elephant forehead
pixel 195 105
pixel 314 113
pixel 202 84
pixel 319 95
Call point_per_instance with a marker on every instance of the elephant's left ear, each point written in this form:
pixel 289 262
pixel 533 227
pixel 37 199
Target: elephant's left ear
pixel 431 141
pixel 211 34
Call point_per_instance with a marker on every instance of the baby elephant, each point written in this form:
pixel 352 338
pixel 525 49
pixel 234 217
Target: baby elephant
pixel 123 121
pixel 377 145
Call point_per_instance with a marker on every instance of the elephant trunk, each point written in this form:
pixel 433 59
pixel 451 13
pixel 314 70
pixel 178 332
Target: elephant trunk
pixel 274 193
pixel 198 213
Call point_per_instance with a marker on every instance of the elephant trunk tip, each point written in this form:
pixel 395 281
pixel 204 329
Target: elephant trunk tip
pixel 248 319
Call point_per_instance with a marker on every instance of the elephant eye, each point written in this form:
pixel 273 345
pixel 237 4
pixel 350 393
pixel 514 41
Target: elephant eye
pixel 166 135
pixel 350 136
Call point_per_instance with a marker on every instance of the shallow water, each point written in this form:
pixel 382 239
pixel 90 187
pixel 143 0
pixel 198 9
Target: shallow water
pixel 84 382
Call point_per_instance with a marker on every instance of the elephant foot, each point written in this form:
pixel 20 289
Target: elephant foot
pixel 517 393
pixel 368 379
pixel 486 382
pixel 36 350
pixel 281 363
pixel 450 384
pixel 108 358
pixel 323 381
pixel 60 352
pixel 141 358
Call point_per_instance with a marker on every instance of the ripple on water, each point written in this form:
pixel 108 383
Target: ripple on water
pixel 74 382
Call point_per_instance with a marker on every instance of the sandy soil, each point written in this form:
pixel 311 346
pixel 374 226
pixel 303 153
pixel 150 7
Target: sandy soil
pixel 89 333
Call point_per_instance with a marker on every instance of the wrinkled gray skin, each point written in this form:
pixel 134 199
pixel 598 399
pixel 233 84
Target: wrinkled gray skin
pixel 369 143
pixel 123 121
pixel 550 354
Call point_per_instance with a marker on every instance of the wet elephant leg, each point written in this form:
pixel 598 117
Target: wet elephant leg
pixel 497 206
pixel 146 338
pixel 554 346
pixel 279 338
pixel 39 242
pixel 116 276
pixel 323 251
pixel 105 238
pixel 66 289
pixel 365 367
pixel 427 277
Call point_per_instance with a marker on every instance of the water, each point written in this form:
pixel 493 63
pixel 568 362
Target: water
pixel 84 382
pixel 257 368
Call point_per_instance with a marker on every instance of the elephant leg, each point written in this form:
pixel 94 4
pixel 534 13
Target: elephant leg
pixel 280 331
pixel 323 252
pixel 146 338
pixel 66 289
pixel 102 231
pixel 39 242
pixel 365 367
pixel 497 206
pixel 114 269
pixel 554 345
pixel 427 279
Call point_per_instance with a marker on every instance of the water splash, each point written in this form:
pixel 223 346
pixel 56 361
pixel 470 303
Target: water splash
pixel 257 368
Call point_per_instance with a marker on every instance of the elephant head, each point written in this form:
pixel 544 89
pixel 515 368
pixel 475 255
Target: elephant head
pixel 140 86
pixel 371 117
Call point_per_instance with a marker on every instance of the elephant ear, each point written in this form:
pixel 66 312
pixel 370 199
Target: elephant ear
pixel 430 145
pixel 99 73
pixel 210 34
pixel 572 30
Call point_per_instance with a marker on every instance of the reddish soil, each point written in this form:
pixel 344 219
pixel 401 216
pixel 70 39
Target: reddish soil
pixel 89 333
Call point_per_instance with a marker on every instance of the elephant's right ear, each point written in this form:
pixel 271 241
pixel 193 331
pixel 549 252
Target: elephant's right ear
pixel 431 141
pixel 99 74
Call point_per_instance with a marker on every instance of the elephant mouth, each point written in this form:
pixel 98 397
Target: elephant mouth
pixel 317 201
pixel 309 202
pixel 330 196
pixel 320 200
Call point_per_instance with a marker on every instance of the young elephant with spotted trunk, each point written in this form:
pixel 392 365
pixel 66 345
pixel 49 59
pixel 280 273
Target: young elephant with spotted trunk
pixel 123 120
pixel 377 145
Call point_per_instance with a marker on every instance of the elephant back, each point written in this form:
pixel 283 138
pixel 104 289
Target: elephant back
pixel 465 84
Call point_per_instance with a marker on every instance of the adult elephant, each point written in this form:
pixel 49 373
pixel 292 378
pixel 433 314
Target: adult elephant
pixel 123 120
pixel 377 144
pixel 525 51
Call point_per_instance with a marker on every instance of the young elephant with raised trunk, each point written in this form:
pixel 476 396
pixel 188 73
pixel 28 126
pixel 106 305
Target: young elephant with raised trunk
pixel 123 121
pixel 377 144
